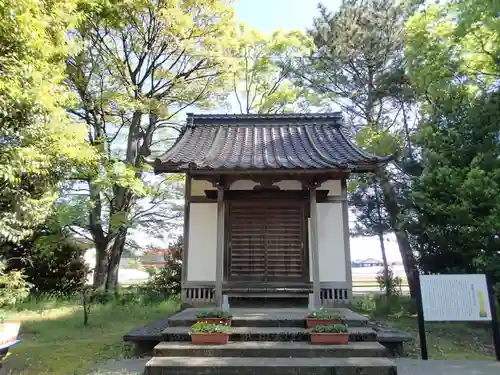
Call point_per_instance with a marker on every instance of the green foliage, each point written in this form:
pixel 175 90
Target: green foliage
pixel 454 42
pixel 261 81
pixel 167 280
pixel 367 202
pixel 388 282
pixel 333 328
pixel 55 342
pixel 324 314
pixel 457 207
pixel 213 314
pixel 154 59
pixel 385 306
pixel 40 146
pixel 51 261
pixel 358 63
pixel 14 287
pixel 204 327
pixel 124 296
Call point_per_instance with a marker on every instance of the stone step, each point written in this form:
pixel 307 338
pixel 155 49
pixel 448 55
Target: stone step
pixel 269 366
pixel 270 317
pixel 270 334
pixel 269 349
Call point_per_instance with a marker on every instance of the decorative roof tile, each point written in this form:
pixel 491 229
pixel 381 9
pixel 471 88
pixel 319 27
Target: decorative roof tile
pixel 257 142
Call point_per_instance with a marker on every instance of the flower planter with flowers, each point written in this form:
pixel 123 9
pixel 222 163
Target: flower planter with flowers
pixel 334 334
pixel 323 317
pixel 203 333
pixel 214 317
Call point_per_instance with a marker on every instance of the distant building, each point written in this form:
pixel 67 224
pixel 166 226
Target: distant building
pixel 370 262
pixel 154 258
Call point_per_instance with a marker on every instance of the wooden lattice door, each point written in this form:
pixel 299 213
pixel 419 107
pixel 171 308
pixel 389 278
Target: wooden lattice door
pixel 266 241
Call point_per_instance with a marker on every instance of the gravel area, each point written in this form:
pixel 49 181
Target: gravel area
pixel 405 367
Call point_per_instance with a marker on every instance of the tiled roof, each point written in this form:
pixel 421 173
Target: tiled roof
pixel 256 142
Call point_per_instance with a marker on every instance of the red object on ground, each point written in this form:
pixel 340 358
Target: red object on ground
pixel 330 338
pixel 209 338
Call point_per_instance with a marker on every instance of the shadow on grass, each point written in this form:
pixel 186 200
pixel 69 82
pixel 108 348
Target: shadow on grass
pixel 55 340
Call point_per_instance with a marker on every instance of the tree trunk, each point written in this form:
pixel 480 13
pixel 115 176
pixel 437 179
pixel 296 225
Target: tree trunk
pixel 388 288
pixel 114 260
pixel 391 205
pixel 101 265
pixel 97 232
pixel 122 204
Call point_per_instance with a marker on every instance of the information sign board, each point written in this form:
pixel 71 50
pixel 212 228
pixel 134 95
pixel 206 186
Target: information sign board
pixel 455 298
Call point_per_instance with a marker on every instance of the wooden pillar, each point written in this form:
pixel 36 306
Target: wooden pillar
pixel 314 248
pixel 347 244
pixel 187 205
pixel 219 262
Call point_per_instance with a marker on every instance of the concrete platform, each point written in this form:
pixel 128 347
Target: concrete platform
pixel 267 317
pixel 285 334
pixel 269 366
pixel 269 349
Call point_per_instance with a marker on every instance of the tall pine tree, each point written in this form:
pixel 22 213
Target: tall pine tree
pixel 358 63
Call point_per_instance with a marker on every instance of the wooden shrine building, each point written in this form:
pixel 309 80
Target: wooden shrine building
pixel 266 210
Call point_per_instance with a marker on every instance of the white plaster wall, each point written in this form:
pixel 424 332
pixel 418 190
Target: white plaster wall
pixel 283 185
pixel 242 185
pixel 330 243
pixel 289 185
pixel 334 187
pixel 198 187
pixel 202 242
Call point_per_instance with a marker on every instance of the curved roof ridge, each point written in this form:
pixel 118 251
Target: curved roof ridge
pixel 288 142
pixel 330 118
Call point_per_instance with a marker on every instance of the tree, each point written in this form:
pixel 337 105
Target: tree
pixel 454 49
pixel 262 82
pixel 142 64
pixel 372 220
pixel 39 145
pixel 455 43
pixel 358 63
pixel 458 211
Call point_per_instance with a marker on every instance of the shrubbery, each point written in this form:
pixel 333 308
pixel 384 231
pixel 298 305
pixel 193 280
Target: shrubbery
pixel 391 286
pixel 167 280
pixel 51 261
pixel 13 287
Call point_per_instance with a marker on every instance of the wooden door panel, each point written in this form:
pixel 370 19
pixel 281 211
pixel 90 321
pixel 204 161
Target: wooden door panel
pixel 266 241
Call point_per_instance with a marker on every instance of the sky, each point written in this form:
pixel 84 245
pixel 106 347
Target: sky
pixel 269 15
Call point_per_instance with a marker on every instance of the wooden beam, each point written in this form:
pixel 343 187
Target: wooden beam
pixel 314 247
pixel 266 194
pixel 219 260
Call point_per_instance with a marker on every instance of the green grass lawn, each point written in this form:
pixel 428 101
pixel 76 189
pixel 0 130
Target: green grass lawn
pixel 448 341
pixel 55 341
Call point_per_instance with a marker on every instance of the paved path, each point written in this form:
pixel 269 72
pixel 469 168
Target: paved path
pixel 405 367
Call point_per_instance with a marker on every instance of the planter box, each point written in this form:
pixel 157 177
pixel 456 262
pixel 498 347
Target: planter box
pixel 215 321
pixel 209 338
pixel 330 338
pixel 312 322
